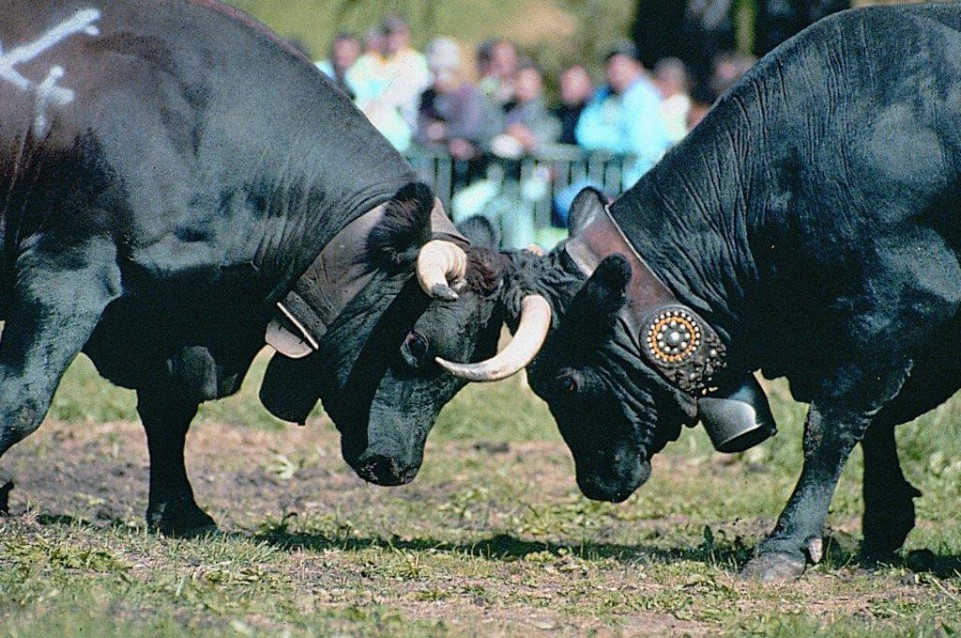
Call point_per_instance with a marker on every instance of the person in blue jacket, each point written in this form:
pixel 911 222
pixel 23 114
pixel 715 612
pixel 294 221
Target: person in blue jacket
pixel 624 116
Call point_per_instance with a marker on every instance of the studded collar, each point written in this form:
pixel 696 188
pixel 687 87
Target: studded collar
pixel 679 344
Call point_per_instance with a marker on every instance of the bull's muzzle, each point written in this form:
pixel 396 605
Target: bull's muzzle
pixel 384 470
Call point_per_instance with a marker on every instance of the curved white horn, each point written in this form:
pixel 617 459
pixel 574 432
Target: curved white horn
pixel 535 321
pixel 438 263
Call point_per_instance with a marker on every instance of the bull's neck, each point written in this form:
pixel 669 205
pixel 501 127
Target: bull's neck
pixel 688 222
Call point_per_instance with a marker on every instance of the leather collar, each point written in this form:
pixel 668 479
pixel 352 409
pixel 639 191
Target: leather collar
pixel 336 276
pixel 677 342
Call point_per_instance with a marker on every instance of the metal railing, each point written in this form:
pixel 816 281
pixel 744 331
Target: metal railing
pixel 526 198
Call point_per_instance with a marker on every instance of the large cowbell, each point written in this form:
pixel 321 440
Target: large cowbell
pixel 739 420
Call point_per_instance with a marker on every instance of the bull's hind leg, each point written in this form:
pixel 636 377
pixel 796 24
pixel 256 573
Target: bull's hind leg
pixel 57 301
pixel 171 509
pixel 888 504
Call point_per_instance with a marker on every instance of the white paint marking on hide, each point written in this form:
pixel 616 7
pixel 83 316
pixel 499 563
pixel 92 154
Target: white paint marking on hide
pixel 47 91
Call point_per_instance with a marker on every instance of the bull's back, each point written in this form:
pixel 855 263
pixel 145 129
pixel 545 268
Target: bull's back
pixel 857 126
pixel 184 130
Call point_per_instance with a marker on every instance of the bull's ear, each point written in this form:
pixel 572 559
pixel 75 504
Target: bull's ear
pixel 596 304
pixel 606 290
pixel 405 226
pixel 587 204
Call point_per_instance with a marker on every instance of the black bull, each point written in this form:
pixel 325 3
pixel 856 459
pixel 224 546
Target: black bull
pixel 808 228
pixel 168 172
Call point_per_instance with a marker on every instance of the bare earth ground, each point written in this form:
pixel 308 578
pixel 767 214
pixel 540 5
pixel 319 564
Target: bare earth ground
pixel 491 540
pixel 98 473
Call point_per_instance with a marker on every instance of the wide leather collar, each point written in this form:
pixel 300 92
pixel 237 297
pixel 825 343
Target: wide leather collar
pixel 676 341
pixel 336 276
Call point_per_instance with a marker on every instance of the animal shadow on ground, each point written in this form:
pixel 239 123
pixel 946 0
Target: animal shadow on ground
pixel 725 554
pixel 729 555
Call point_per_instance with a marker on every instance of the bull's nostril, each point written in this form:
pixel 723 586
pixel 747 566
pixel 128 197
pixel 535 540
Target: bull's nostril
pixel 383 470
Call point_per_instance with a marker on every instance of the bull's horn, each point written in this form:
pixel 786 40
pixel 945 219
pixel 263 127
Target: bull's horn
pixel 438 263
pixel 531 332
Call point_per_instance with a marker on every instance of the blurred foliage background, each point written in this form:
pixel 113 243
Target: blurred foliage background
pixel 556 33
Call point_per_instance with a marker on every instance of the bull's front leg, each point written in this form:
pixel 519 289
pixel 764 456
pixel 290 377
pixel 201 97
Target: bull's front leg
pixel 829 438
pixel 171 508
pixel 58 299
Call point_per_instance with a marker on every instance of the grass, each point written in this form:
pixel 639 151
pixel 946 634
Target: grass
pixel 491 539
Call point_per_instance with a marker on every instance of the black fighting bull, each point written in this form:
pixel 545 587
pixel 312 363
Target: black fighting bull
pixel 807 228
pixel 174 181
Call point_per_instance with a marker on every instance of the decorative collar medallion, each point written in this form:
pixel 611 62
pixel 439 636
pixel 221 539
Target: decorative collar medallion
pixel 679 344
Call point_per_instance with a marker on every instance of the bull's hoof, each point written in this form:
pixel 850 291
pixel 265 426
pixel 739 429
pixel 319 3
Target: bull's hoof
pixel 774 567
pixel 186 522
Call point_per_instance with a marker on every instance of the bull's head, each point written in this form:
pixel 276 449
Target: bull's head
pixel 613 410
pixel 462 322
pixel 376 371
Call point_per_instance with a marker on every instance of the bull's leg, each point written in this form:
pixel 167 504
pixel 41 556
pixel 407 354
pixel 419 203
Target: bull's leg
pixel 888 504
pixel 171 508
pixel 829 438
pixel 57 301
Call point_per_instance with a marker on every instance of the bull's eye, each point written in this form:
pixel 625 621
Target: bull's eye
pixel 567 383
pixel 415 348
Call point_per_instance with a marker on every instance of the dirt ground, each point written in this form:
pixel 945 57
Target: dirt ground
pixel 97 473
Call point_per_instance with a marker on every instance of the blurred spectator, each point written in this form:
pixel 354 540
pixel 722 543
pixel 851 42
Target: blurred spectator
pixel 671 80
pixel 405 69
pixel 497 62
pixel 387 81
pixel 454 115
pixel 624 117
pixel 528 124
pixel 344 51
pixel 576 89
pixel 728 68
pixel 702 99
pixel 366 76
